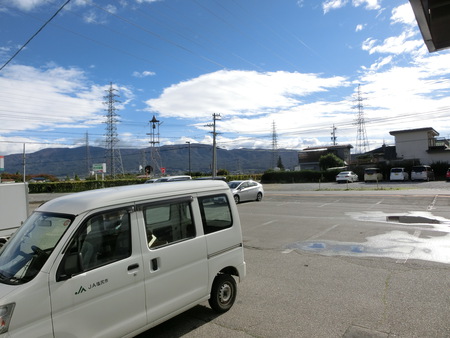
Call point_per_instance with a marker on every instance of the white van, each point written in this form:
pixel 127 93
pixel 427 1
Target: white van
pixel 398 174
pixel 115 262
pixel 373 175
pixel 422 173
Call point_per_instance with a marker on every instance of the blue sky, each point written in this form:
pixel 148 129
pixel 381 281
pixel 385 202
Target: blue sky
pixel 292 64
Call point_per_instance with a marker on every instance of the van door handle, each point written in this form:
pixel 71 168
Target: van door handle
pixel 154 264
pixel 133 266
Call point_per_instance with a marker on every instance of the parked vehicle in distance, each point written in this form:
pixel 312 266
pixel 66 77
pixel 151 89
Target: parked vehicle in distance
pixel 372 175
pixel 121 260
pixel 246 190
pixel 398 174
pixel 346 176
pixel 422 173
pixel 447 175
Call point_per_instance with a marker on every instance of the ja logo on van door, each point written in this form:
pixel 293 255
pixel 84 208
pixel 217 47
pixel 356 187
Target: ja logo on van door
pixel 81 290
pixel 91 286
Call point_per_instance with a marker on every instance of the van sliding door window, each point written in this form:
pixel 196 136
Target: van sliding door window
pixel 168 222
pixel 216 213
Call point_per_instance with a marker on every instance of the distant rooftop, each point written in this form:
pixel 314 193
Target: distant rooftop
pixel 338 146
pixel 414 130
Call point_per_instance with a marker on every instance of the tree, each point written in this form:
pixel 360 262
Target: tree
pixel 330 161
pixel 223 172
pixel 280 163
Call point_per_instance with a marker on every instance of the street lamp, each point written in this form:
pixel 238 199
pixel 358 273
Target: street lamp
pixel 189 143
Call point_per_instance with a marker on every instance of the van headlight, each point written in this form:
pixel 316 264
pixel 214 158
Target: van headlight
pixel 6 312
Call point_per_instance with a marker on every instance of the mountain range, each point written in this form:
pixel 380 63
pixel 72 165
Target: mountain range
pixel 71 162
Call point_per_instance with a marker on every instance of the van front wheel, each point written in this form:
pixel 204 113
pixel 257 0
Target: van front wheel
pixel 223 293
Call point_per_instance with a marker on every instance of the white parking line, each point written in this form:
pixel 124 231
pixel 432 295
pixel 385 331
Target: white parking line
pixel 403 261
pixel 264 224
pixel 431 206
pixel 323 232
pixel 325 204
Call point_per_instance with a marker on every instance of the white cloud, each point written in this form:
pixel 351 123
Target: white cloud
pixel 359 27
pixel 55 96
pixel 369 4
pixel 239 93
pixel 403 14
pixel 27 5
pixel 393 45
pixel 380 63
pixel 336 4
pixel 333 4
pixel 143 74
pixel 404 96
pixel 146 1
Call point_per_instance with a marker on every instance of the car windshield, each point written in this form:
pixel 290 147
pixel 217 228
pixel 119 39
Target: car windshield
pixel 371 171
pixel 23 256
pixel 396 170
pixel 418 169
pixel 234 185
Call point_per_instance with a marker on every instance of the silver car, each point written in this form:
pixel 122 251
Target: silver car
pixel 247 190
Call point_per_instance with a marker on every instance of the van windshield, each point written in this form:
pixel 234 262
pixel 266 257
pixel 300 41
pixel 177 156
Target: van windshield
pixel 23 256
pixel 418 169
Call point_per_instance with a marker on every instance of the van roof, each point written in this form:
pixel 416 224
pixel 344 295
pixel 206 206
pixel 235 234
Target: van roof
pixel 77 203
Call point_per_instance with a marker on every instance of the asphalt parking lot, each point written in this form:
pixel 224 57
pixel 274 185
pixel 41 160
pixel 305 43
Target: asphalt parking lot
pixel 328 263
pixel 337 261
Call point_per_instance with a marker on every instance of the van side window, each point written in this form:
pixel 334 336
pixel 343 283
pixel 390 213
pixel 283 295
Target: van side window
pixel 168 222
pixel 104 238
pixel 216 213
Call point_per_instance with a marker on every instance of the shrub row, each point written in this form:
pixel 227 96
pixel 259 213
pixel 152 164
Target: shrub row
pixel 76 186
pixel 303 176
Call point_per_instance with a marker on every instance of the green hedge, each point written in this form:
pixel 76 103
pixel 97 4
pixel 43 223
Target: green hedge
pixel 303 176
pixel 76 186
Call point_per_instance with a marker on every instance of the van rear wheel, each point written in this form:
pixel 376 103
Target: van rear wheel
pixel 223 293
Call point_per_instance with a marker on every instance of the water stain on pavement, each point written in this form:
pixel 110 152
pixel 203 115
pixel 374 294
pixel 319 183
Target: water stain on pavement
pixel 397 244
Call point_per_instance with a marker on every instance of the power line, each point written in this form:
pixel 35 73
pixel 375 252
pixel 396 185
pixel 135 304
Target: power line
pixel 34 35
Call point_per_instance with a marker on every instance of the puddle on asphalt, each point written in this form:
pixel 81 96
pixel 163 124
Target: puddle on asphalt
pixel 399 245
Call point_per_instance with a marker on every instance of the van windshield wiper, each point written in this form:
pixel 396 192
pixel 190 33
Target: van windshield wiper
pixel 2 276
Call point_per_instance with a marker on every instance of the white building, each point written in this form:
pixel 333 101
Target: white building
pixel 421 144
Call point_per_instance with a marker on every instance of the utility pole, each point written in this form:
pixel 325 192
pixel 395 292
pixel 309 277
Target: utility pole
pixel 24 164
pixel 333 135
pixel 361 138
pixel 113 153
pixel 189 144
pixel 214 155
pixel 88 156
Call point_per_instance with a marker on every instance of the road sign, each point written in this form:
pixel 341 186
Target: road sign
pixel 99 167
